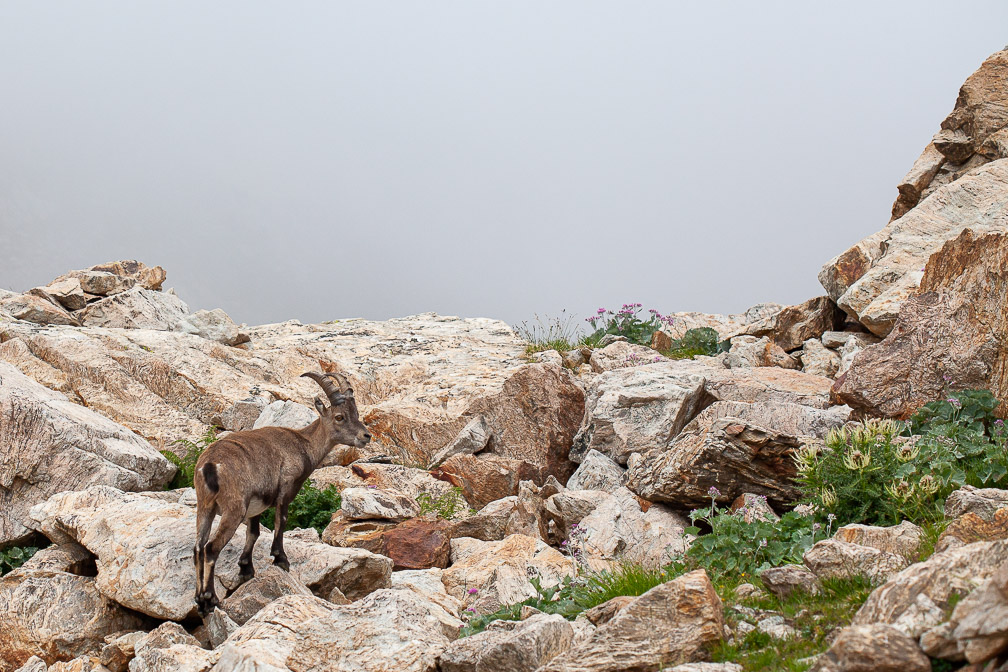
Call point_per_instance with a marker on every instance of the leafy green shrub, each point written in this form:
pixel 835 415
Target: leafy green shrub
pixel 626 322
pixel 311 508
pixel 15 556
pixel 735 547
pixel 446 506
pixel 187 463
pixel 700 341
pixel 876 474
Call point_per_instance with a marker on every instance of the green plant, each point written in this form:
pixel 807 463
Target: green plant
pixel 738 548
pixel 556 333
pixel 700 341
pixel 626 322
pixel 186 464
pixel 445 506
pixel 311 507
pixel 15 556
pixel 972 409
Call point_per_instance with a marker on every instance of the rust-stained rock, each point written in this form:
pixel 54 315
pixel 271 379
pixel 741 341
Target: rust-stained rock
pixel 794 325
pixel 970 527
pixel 485 478
pixel 977 630
pixel 675 622
pixel 953 330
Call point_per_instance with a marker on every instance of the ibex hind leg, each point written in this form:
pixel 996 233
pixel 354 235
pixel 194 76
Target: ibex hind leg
pixel 245 569
pixel 225 530
pixel 204 523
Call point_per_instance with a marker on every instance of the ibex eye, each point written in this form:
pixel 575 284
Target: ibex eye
pixel 339 418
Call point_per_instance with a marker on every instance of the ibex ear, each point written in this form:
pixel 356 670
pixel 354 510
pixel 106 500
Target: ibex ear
pixel 319 405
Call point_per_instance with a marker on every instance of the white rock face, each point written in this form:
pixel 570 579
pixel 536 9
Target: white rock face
pixel 136 308
pixel 144 551
pixel 631 409
pixel 532 643
pixel 596 472
pixel 621 355
pixel 620 529
pixel 872 279
pixel 371 503
pixel 49 444
pixel 215 325
pixel 819 360
pixel 832 559
pixel 286 414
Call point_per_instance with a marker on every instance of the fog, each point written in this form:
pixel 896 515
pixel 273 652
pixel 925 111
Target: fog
pixel 326 160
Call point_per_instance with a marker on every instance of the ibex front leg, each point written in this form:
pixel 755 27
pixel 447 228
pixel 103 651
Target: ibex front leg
pixel 277 551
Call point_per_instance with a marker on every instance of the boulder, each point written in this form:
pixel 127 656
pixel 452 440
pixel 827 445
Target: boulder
pixel 532 643
pixel 872 648
pixel 623 527
pixel 566 509
pixel 498 519
pixel 387 630
pixel 770 384
pixel 984 502
pixel 918 598
pixel 630 409
pixel 782 581
pixel 750 352
pixel 978 628
pixel 851 347
pixel 408 481
pixel 596 472
pixel 49 444
pixel 144 551
pixel 832 559
pixel 486 478
pixel 903 540
pixel 953 329
pixel 872 280
pixel 475 437
pixel 753 507
pixel 427 584
pixel 214 325
pixel 736 448
pixel 285 414
pixel 794 325
pixel 148 277
pixel 66 292
pixel 819 360
pixel 243 414
pixel 756 318
pixel 36 309
pixel 675 622
pixel 418 543
pixel 100 283
pixel 969 527
pixel 271 584
pixel 136 308
pixel 498 571
pixel 371 503
pixel 55 616
pixel 366 534
pixel 621 355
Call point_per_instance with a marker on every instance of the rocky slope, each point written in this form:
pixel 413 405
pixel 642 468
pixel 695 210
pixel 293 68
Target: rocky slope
pixel 495 477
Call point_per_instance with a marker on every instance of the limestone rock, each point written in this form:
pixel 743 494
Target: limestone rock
pixel 970 527
pixel 144 551
pixel 285 414
pixel 596 472
pixel 214 325
pixel 872 648
pixel 903 540
pixel 819 360
pixel 66 292
pixel 35 309
pixel 676 622
pixel 750 352
pixel 534 642
pixel 782 581
pixel 953 328
pixel 568 508
pixel 242 414
pixel 366 534
pixel 918 598
pixel 851 347
pixel 473 438
pixel 270 584
pixel 408 481
pixel 56 616
pixel 499 570
pixel 735 447
pixel 399 629
pixel 621 355
pixel 872 280
pixel 630 409
pixel 832 559
pixel 978 627
pixel 48 444
pixel 136 308
pixel 370 503
pixel 100 283
pixel 767 384
pixel 417 543
pixel 794 325
pixel 623 527
pixel 984 502
pixel 486 478
pixel 428 585
pixel 758 317
pixel 498 519
pixel 148 277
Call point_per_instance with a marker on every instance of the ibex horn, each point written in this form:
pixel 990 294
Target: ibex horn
pixel 335 396
pixel 344 384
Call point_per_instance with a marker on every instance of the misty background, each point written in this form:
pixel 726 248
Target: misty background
pixel 326 160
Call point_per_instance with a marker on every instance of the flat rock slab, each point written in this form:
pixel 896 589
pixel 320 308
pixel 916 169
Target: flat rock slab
pixel 144 549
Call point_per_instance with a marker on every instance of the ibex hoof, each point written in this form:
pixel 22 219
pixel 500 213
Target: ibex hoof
pixel 206 603
pixel 281 562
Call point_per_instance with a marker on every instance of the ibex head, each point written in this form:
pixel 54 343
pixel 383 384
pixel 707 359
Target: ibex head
pixel 340 418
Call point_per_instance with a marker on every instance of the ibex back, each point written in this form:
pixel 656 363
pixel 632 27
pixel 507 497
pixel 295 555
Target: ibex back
pixel 245 473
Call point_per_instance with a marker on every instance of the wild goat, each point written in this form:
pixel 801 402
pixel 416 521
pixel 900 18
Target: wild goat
pixel 245 473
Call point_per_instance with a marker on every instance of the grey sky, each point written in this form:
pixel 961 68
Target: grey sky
pixel 324 160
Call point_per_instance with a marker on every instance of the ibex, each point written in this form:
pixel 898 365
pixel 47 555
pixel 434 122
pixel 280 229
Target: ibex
pixel 245 473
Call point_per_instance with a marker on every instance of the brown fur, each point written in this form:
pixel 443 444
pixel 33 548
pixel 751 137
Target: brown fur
pixel 244 473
